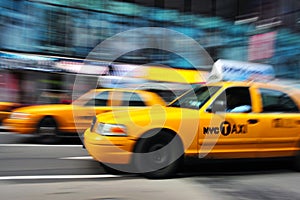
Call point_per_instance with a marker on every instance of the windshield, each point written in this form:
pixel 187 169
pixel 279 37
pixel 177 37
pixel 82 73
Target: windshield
pixel 195 98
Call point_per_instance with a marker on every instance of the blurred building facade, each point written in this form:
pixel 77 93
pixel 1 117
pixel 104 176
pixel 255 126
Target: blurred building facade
pixel 265 31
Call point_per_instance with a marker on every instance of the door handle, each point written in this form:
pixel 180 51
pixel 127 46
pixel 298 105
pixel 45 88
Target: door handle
pixel 252 121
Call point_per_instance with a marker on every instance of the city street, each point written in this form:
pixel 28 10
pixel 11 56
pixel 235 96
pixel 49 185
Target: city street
pixel 65 171
pixel 197 100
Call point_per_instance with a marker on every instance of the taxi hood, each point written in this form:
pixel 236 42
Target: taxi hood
pixel 150 116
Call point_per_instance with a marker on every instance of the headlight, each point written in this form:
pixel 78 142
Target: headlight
pixel 109 129
pixel 19 115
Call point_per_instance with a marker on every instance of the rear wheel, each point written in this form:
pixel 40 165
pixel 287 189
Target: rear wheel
pixel 47 131
pixel 297 162
pixel 158 156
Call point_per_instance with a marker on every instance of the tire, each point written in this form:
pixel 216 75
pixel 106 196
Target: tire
pixel 159 156
pixel 297 162
pixel 109 168
pixel 47 131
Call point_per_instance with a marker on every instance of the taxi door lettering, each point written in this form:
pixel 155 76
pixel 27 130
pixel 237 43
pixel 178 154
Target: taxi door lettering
pixel 282 123
pixel 226 129
pixel 238 128
pixel 234 129
pixel 211 130
pixel 242 128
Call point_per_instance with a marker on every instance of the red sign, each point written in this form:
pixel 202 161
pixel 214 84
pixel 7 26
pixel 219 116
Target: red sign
pixel 261 46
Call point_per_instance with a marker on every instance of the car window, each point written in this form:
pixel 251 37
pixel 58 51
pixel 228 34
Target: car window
pixel 167 95
pixel 234 100
pixel 127 99
pixel 99 100
pixel 277 101
pixel 195 98
pixel 132 99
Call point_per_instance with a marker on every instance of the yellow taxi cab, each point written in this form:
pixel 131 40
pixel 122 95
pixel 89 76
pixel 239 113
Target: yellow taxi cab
pixel 5 109
pixel 50 121
pixel 223 120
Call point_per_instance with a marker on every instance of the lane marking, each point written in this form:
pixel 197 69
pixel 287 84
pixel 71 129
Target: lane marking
pixel 6 133
pixel 58 177
pixel 38 145
pixel 77 158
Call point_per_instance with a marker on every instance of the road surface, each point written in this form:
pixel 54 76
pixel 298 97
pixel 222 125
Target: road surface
pixel 29 171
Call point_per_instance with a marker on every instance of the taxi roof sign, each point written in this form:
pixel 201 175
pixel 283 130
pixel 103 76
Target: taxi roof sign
pixel 231 70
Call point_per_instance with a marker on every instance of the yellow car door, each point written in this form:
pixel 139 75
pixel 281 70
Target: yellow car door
pixel 229 129
pixel 280 116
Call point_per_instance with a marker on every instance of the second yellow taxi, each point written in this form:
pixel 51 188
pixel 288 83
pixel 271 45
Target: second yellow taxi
pixel 50 121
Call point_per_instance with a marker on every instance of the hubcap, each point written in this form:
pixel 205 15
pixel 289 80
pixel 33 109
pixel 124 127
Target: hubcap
pixel 158 155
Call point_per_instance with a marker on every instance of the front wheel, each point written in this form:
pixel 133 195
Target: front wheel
pixel 47 131
pixel 158 156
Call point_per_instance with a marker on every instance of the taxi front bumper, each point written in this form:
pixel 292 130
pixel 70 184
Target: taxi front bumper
pixel 4 114
pixel 113 150
pixel 20 126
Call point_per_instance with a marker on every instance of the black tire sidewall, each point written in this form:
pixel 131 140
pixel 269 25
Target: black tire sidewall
pixel 174 154
pixel 51 138
pixel 297 161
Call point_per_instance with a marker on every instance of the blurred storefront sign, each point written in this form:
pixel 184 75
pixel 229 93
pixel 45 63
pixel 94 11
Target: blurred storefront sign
pixel 9 87
pixel 261 46
pixel 79 67
pixel 19 61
